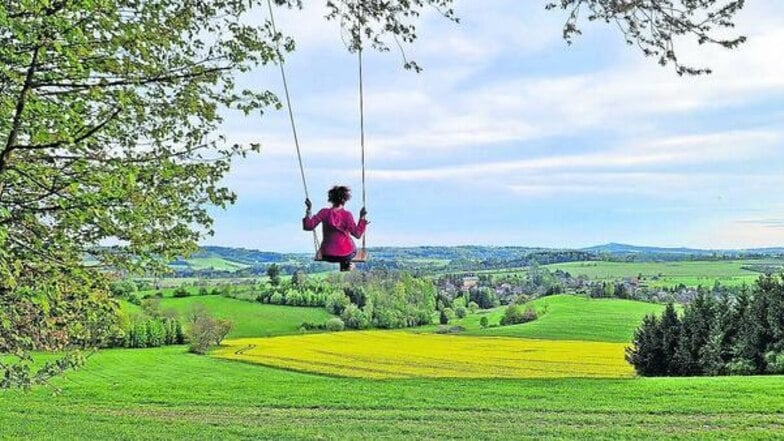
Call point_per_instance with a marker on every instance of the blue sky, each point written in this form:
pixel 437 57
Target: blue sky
pixel 511 137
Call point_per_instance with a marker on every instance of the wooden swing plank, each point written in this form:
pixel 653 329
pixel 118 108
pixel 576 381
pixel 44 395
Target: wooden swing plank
pixel 362 256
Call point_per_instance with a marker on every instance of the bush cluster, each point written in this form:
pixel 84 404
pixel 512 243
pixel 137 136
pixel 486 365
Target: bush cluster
pixel 516 314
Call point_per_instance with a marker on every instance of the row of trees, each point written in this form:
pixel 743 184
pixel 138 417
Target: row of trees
pixel 741 335
pixel 153 332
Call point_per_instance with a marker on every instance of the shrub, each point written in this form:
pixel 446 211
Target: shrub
pixel 775 362
pixel 516 314
pixel 741 367
pixel 473 307
pixel 483 322
pixel 308 326
pixel 206 331
pixel 442 329
pixel 203 291
pixel 355 318
pixel 460 312
pixel 337 302
pixel 456 329
pixel 335 324
pixel 277 299
pixel 181 292
pixel 151 307
pixel 443 318
pixel 123 288
pixel 134 299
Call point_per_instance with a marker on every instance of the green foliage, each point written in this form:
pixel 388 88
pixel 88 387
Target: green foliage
pixel 484 322
pixel 517 314
pixel 181 292
pixel 334 324
pixel 485 297
pixel 354 317
pixel 153 332
pixel 204 331
pixel 655 27
pixel 391 299
pixel 123 289
pixel 460 312
pixel 273 272
pixel 443 318
pixel 716 337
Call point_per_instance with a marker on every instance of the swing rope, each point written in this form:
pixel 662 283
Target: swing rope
pixel 291 119
pixel 362 139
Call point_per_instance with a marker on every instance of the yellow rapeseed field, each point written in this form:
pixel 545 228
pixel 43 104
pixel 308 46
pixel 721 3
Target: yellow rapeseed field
pixel 388 354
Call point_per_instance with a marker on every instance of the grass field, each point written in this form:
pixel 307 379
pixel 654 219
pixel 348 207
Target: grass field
pixel 380 354
pixel 566 317
pixel 169 394
pixel 663 274
pixel 251 319
pixel 166 393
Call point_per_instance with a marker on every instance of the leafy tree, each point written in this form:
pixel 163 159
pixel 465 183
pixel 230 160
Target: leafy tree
pixel 461 312
pixel 205 331
pixel 695 330
pixel 273 272
pixel 335 324
pixel 646 354
pixel 669 332
pixel 653 26
pixel 484 322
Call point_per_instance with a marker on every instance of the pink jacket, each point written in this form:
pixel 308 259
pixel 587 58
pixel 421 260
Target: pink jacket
pixel 338 224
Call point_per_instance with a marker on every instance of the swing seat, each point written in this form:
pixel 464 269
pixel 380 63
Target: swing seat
pixel 362 256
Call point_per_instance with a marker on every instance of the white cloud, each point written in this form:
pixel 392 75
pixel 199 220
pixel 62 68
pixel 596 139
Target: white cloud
pixel 675 151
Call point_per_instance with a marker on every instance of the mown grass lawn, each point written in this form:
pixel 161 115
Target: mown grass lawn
pixel 169 394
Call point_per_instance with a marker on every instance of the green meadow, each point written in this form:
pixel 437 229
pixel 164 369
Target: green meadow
pixel 665 274
pixel 167 393
pixel 566 317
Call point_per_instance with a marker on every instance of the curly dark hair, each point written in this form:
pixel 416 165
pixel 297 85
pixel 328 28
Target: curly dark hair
pixel 339 194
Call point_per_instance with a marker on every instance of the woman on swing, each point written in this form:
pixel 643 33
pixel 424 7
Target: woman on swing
pixel 338 227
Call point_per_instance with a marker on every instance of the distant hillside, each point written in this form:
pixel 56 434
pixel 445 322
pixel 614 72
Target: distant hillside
pixel 211 260
pixel 243 255
pixel 625 249
pixel 620 248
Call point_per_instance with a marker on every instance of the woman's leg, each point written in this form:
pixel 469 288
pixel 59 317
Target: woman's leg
pixel 346 264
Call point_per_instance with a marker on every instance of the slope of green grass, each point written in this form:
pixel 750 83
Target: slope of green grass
pixel 168 394
pixel 567 317
pixel 703 273
pixel 251 319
